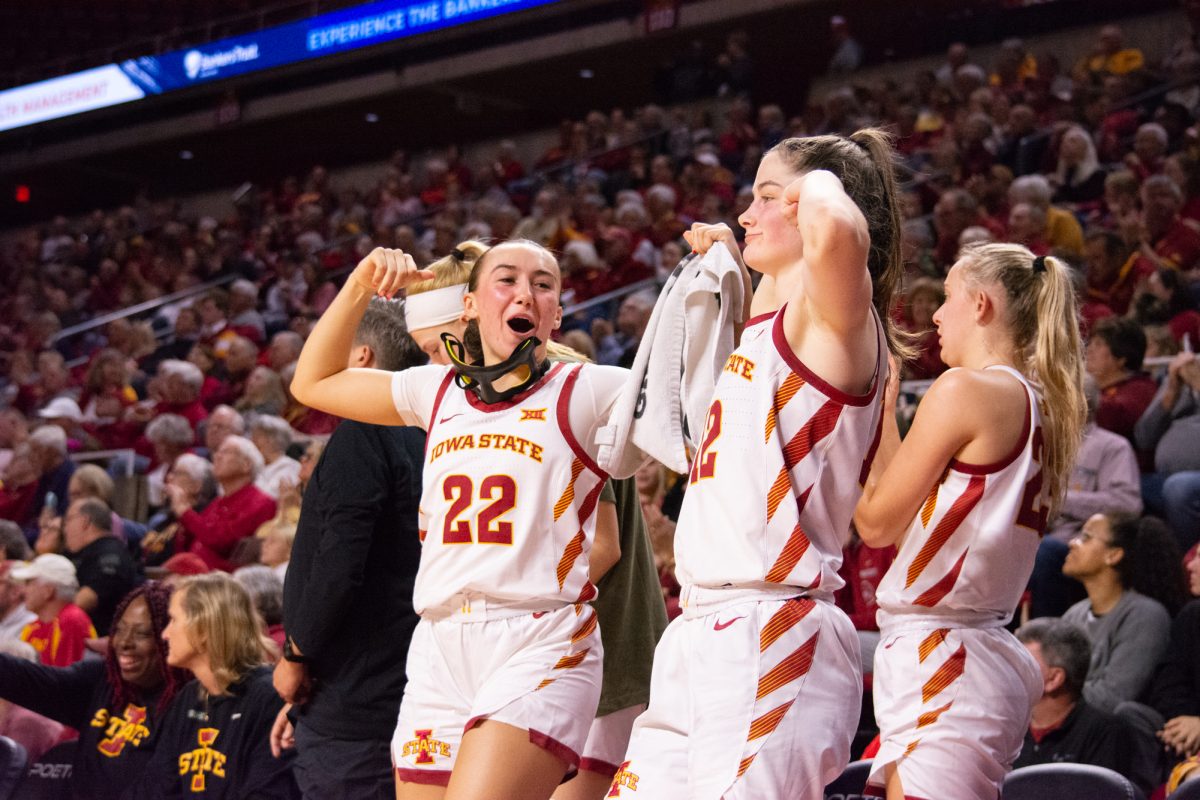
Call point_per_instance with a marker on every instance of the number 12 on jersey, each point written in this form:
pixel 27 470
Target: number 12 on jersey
pixel 705 463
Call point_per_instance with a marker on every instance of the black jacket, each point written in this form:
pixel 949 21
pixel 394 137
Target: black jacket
pixel 1087 736
pixel 105 567
pixel 115 745
pixel 219 748
pixel 1175 691
pixel 347 599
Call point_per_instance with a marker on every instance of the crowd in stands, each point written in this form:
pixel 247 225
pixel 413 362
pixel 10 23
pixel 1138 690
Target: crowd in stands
pixel 1097 162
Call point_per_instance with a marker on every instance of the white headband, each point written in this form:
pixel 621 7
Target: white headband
pixel 436 307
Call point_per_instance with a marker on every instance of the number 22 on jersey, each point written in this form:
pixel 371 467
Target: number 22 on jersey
pixel 460 491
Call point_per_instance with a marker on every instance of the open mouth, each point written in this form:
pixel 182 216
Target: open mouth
pixel 521 325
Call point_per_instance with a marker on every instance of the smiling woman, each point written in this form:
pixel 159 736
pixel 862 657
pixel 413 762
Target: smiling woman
pixel 215 742
pixel 494 520
pixel 117 704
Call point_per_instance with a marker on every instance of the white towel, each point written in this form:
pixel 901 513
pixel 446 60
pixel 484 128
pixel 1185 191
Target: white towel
pixel 662 410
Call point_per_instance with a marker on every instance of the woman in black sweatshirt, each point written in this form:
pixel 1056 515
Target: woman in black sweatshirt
pixel 215 743
pixel 117 704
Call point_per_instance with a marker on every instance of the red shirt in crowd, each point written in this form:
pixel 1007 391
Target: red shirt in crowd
pixel 59 642
pixel 213 533
pixel 1122 403
pixel 1179 247
pixel 1118 293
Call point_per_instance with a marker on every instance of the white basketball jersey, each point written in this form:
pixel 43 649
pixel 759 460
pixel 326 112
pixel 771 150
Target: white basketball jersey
pixel 509 500
pixel 779 471
pixel 969 552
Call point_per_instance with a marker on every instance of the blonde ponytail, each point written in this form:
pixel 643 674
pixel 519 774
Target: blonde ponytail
pixel 1044 322
pixel 1057 363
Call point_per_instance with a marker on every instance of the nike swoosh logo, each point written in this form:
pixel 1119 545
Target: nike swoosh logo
pixel 452 416
pixel 540 614
pixel 720 626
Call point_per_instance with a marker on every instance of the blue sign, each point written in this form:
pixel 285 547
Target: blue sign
pixel 316 37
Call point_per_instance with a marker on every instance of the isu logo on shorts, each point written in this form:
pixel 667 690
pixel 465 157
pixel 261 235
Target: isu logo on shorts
pixel 425 747
pixel 532 415
pixel 623 778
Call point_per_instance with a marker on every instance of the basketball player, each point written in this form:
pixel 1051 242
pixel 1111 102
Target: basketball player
pixel 504 668
pixel 966 496
pixel 629 608
pixel 757 686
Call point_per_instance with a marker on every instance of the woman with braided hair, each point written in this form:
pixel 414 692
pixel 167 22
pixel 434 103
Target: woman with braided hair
pixel 116 704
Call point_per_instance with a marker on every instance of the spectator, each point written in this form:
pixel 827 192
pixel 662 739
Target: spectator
pixel 192 477
pixel 239 363
pixel 265 588
pixel 35 733
pixel 632 318
pixel 264 393
pixel 276 551
pixel 236 514
pixel 1149 149
pixel 106 390
pixel 284 349
pixel 48 452
pixel 955 211
pixel 348 593
pixel 1169 301
pixel 215 331
pixel 14 616
pixel 13 546
pixel 19 492
pixel 1118 560
pixel 1170 427
pixel 924 296
pixel 1027 226
pixel 116 703
pixel 227 711
pixel 1166 239
pixel 1111 279
pixel 1062 229
pixel 14 429
pixel 1078 179
pixel 243 311
pixel 1109 56
pixel 1065 727
pixel 1104 478
pixel 103 566
pixel 171 436
pixel 224 422
pixel 1167 727
pixel 1114 359
pixel 272 436
pixel 61 627
pixel 848 53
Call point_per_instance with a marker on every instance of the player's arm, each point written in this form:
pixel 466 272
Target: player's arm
pixel 606 549
pixel 904 471
pixel 835 284
pixel 322 380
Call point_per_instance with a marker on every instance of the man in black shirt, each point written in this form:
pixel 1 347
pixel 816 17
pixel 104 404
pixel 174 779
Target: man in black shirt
pixel 347 598
pixel 1064 727
pixel 103 565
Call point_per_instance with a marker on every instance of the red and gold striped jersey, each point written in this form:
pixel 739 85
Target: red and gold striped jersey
pixel 968 553
pixel 508 502
pixel 779 470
